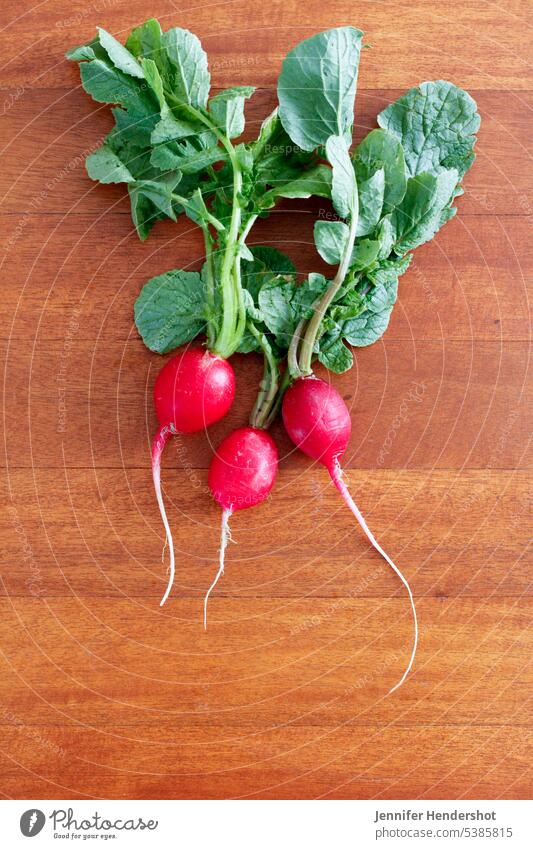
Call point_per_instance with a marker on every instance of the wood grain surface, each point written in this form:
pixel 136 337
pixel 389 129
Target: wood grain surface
pixel 103 693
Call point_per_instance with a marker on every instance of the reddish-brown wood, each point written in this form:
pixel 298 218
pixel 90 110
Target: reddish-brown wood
pixel 104 694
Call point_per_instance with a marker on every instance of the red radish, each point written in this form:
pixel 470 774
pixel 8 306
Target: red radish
pixel 318 422
pixel 193 390
pixel 241 475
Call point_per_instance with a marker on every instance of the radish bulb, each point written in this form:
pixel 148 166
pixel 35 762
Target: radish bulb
pixel 241 475
pixel 318 422
pixel 193 390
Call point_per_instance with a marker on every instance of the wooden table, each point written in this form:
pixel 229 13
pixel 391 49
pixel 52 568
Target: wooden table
pixel 105 694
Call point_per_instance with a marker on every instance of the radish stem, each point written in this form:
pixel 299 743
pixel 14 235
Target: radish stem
pixel 160 440
pixel 225 537
pixel 336 476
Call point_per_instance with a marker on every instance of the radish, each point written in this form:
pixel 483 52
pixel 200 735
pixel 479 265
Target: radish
pixel 241 475
pixel 193 390
pixel 318 422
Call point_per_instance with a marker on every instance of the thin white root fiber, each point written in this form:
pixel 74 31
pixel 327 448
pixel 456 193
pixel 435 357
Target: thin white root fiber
pixel 157 449
pixel 336 476
pixel 225 537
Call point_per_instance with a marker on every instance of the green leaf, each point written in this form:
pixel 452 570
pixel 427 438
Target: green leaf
pixel 83 53
pixel 380 149
pixel 170 310
pixel 143 212
pixel 153 78
pixel 160 193
pixel 168 158
pixel 270 127
pixel 283 304
pixel 197 211
pixel 276 159
pixel 371 194
pixel 191 81
pixel 365 253
pixel 330 240
pixel 132 129
pixel 335 356
pixel 385 236
pixel 146 41
pixel 120 55
pixel 389 270
pixel 316 87
pixel 368 327
pixel 343 184
pixel 436 123
pixel 274 261
pixel 313 182
pixel 105 166
pixel 170 128
pixel 227 109
pixel 106 84
pixel 421 212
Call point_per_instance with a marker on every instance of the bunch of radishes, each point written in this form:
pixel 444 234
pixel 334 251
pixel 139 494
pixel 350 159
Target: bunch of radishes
pixel 173 146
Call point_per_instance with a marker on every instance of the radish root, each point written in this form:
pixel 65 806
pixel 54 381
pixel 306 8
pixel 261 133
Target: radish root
pixel 336 476
pixel 158 445
pixel 225 537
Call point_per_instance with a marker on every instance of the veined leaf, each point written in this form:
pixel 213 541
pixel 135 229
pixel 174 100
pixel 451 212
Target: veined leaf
pixel 105 166
pixel 371 193
pixel 144 214
pixel 335 355
pixel 373 322
pixel 153 78
pixel 160 193
pixel 283 304
pixel 107 84
pixel 170 310
pixel 343 183
pixel 381 149
pixel 330 240
pixel 227 109
pixel 316 87
pixel 420 214
pixel 436 123
pixel 171 128
pixel 316 182
pixel 185 157
pixel 189 61
pixel 119 55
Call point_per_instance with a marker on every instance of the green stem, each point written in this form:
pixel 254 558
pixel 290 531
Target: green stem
pixel 241 320
pixel 286 381
pixel 241 306
pixel 227 339
pixel 292 356
pixel 210 288
pixel 270 382
pixel 249 224
pixel 308 344
pixel 187 203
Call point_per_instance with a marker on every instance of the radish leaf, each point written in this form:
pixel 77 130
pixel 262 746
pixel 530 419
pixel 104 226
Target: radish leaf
pixel 436 124
pixel 190 75
pixel 380 149
pixel 170 310
pixel 316 87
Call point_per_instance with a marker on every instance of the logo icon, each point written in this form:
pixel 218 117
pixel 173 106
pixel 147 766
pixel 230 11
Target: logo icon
pixel 32 822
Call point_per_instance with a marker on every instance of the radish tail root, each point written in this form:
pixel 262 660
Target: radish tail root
pixel 225 537
pixel 336 476
pixel 160 440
